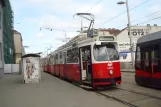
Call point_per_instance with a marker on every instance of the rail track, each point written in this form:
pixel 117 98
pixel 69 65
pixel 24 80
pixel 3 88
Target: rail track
pixel 141 93
pixel 117 99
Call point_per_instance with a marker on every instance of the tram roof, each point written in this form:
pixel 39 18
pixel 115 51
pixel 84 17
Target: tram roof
pixel 150 37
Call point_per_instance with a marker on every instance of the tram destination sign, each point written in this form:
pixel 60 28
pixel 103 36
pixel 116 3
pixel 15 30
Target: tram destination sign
pixel 106 38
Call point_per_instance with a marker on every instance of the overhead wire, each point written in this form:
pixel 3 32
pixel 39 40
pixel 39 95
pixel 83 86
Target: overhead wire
pixel 148 20
pixel 74 31
pixel 51 29
pixel 149 15
pixel 94 6
pixel 123 13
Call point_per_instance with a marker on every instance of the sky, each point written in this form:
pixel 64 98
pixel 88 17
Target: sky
pixel 31 15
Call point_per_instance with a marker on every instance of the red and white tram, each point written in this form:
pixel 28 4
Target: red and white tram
pixel 148 60
pixel 47 64
pixel 92 61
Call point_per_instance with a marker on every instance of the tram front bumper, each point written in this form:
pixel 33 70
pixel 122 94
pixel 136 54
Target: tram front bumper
pixel 106 81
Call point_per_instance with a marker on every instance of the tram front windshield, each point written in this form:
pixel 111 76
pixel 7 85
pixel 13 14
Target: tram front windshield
pixel 105 52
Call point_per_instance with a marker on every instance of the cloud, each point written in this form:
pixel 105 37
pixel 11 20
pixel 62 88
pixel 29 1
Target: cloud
pixel 58 14
pixel 40 35
pixel 155 8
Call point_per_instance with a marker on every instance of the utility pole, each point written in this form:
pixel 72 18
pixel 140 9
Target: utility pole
pixel 129 30
pixel 65 36
pixel 81 26
pixel 50 47
pixel 130 36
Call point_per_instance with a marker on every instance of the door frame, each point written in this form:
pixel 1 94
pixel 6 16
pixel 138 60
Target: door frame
pixel 81 61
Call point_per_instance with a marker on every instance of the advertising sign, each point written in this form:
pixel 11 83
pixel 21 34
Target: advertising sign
pixel 31 68
pixel 139 32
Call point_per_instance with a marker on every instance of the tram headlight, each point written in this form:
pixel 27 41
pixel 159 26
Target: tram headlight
pixel 111 72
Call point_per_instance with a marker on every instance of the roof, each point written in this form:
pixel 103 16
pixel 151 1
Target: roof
pixel 3 3
pixel 15 31
pixel 150 37
pixel 112 31
pixel 30 55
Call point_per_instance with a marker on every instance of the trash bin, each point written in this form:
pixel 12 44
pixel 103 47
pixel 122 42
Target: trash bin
pixel 31 68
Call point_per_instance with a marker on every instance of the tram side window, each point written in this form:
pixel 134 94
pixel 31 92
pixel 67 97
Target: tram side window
pixel 155 58
pixel 56 57
pixel 138 58
pixel 64 56
pixel 69 56
pixel 146 59
pixel 75 55
pixel 72 55
pixel 60 55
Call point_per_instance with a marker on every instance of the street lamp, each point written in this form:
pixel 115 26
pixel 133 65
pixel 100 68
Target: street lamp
pixel 129 30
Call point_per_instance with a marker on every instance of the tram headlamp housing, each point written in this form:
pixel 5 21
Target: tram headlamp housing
pixel 111 72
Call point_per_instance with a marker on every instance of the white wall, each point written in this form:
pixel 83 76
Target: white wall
pixel 136 32
pixel 11 68
pixel 17 42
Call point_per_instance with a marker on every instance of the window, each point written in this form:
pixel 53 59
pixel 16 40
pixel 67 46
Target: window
pixel 105 52
pixel 146 59
pixel 138 57
pixel 72 55
pixel 65 60
pixel 69 56
pixel 60 55
pixel 155 59
pixel 0 51
pixel 85 54
pixel 0 20
pixel 155 56
pixel 56 57
pixel 75 54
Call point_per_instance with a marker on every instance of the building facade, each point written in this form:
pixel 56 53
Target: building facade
pixel 8 45
pixel 18 52
pixel 2 5
pixel 124 41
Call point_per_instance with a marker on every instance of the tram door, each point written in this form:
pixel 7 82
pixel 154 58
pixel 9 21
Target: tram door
pixel 147 62
pixel 155 59
pixel 151 60
pixel 86 64
pixel 65 65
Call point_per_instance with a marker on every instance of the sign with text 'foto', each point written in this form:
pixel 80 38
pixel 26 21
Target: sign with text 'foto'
pixel 139 32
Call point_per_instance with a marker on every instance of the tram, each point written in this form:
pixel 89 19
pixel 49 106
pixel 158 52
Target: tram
pixel 92 61
pixel 47 64
pixel 148 60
